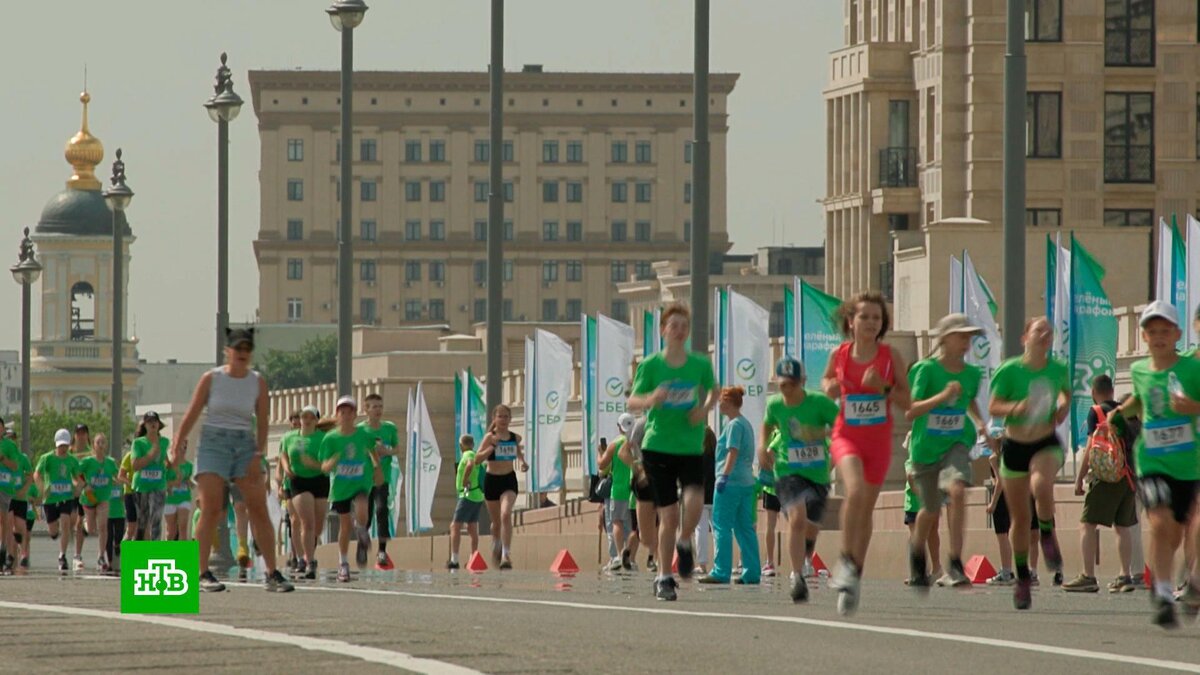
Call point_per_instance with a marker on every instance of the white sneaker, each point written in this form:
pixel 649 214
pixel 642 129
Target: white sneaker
pixel 738 571
pixel 846 581
pixel 613 565
pixel 807 571
pixel 78 563
pixel 768 570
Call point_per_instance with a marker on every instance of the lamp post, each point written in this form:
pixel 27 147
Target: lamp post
pixel 223 107
pixel 700 256
pixel 25 272
pixel 345 15
pixel 118 196
pixel 495 231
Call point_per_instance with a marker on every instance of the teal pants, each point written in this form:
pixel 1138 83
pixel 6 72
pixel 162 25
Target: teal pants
pixel 733 516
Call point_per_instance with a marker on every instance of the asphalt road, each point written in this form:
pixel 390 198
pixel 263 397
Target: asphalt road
pixel 533 622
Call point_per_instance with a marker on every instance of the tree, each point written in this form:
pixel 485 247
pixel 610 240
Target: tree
pixel 43 424
pixel 313 364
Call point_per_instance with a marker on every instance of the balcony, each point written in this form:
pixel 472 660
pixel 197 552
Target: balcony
pixel 898 167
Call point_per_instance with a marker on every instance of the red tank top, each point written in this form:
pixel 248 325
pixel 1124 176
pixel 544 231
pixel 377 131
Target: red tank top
pixel 864 412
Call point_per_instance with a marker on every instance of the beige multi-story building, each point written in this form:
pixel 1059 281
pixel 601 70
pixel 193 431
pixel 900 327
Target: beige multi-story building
pixel 597 185
pixel 915 112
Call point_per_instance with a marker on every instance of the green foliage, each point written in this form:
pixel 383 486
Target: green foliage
pixel 313 364
pixel 43 424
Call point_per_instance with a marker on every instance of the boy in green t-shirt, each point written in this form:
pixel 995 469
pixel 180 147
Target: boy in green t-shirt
pixel 386 444
pixel 56 475
pixel 469 482
pixel 616 506
pixel 346 453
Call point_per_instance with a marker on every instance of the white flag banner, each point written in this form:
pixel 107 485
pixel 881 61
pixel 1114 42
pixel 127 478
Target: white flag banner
pixel 528 426
pixel 987 348
pixel 1061 348
pixel 614 363
pixel 1163 288
pixel 957 290
pixel 553 377
pixel 748 351
pixel 1193 280
pixel 424 464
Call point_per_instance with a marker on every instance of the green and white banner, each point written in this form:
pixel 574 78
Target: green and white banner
pixel 549 376
pixel 743 351
pixel 1193 280
pixel 652 340
pixel 811 330
pixel 987 348
pixel 608 358
pixel 424 464
pixel 470 410
pixel 1093 336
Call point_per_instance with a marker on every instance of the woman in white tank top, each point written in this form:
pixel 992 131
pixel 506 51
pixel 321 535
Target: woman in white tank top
pixel 231 450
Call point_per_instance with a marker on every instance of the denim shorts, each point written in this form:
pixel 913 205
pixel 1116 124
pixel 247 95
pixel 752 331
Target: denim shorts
pixel 225 452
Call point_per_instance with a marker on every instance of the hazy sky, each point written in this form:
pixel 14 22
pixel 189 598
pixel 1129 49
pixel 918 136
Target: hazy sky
pixel 151 64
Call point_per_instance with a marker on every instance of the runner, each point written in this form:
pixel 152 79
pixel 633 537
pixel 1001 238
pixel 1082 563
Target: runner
pixel 386 442
pixel 346 453
pixel 945 417
pixel 469 482
pixel 1033 394
pixel 500 449
pixel 33 500
pixel 868 378
pixel 81 449
pixel 703 539
pixel 231 449
pixel 178 507
pixel 54 474
pixel 912 507
pixel 285 500
pixel 795 450
pixel 644 519
pixel 129 499
pixel 115 526
pixel 149 461
pixel 98 472
pixel 616 506
pixel 1165 391
pixel 11 478
pixel 677 389
pixel 733 501
pixel 301 462
pixel 770 504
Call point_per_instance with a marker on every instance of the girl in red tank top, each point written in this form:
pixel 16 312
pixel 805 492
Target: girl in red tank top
pixel 868 378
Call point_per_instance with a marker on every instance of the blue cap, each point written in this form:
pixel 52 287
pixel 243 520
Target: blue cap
pixel 790 368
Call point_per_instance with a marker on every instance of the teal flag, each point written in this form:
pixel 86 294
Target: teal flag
pixel 470 410
pixel 1093 336
pixel 789 322
pixel 820 330
pixel 591 399
pixel 1179 290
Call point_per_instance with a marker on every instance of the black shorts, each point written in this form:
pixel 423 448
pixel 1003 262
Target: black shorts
pixel 495 485
pixel 1016 456
pixel 54 511
pixel 771 503
pixel 19 508
pixel 791 490
pixel 641 493
pixel 670 473
pixel 344 506
pixel 131 508
pixel 910 517
pixel 1159 491
pixel 1002 520
pixel 633 520
pixel 317 486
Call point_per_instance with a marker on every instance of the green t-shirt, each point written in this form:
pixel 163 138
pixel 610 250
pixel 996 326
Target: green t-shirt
pixel 474 490
pixel 101 476
pixel 933 434
pixel 296 445
pixel 912 503
pixel 10 479
pixel 621 473
pixel 1167 444
pixel 1014 381
pixel 32 497
pixel 390 435
pixel 56 474
pixel 182 493
pixel 804 449
pixel 354 472
pixel 668 429
pixel 153 476
pixel 116 505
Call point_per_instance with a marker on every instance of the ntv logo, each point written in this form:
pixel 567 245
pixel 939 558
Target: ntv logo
pixel 160 578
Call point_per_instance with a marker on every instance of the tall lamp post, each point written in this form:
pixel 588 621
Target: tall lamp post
pixel 25 272
pixel 346 15
pixel 117 196
pixel 223 107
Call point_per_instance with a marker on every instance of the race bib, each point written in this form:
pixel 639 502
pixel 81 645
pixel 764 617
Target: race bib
pixel 505 452
pixel 805 456
pixel 945 422
pixel 1164 437
pixel 181 490
pixel 100 480
pixel 151 474
pixel 680 396
pixel 862 410
pixel 350 470
pixel 5 477
pixel 58 488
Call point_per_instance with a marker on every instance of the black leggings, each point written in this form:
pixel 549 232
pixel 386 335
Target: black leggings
pixel 378 511
pixel 116 532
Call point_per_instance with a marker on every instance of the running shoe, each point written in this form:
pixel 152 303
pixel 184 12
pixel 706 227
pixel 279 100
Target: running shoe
pixel 383 561
pixel 1052 555
pixel 1023 594
pixel 799 588
pixel 1122 584
pixel 626 561
pixel 664 589
pixel 343 574
pixel 25 562
pixel 364 545
pixel 1058 578
pixel 1082 584
pixel 1139 582
pixel 1190 599
pixel 768 570
pixel 1164 612
pixel 310 572
pixel 1033 578
pixel 709 579
pixel 77 563
pixel 687 559
pixel 505 563
pixel 243 574
pixel 808 571
pixel 100 564
pixel 497 550
pixel 243 555
pixel 451 565
pixel 613 565
pixel 846 582
pixel 651 565
pixel 62 564
pixel 918 578
pixel 209 583
pixel 276 583
pixel 739 571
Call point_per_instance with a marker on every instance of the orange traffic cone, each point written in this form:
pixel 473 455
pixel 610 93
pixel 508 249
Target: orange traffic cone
pixel 477 563
pixel 979 569
pixel 818 564
pixel 564 563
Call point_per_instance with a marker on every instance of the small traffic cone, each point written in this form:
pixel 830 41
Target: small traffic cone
pixel 675 563
pixel 564 563
pixel 1149 578
pixel 477 563
pixel 818 564
pixel 979 569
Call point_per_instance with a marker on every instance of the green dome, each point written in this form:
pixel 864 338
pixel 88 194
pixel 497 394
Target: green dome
pixel 79 213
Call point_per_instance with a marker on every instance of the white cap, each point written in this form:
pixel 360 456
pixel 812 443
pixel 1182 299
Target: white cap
pixel 311 410
pixel 1159 310
pixel 625 423
pixel 62 437
pixel 346 400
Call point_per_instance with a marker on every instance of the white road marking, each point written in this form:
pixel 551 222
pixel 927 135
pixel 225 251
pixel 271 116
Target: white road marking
pixel 338 647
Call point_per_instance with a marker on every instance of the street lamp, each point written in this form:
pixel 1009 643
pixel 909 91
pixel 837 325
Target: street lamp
pixel 223 107
pixel 25 272
pixel 345 15
pixel 118 196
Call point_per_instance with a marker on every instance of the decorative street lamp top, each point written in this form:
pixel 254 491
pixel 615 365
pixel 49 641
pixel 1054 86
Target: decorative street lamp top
pixel 119 195
pixel 28 269
pixel 346 14
pixel 224 105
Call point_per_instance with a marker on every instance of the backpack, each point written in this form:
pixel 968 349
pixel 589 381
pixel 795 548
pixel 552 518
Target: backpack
pixel 1106 451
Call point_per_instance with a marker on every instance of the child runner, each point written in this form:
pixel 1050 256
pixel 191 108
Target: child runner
pixel 116 522
pixel 178 508
pixel 644 519
pixel 346 455
pixel 98 472
pixel 10 478
pixel 469 481
pixel 55 474
pixel 81 449
pixel 125 478
pixel 33 498
pixel 290 523
pixel 22 512
pixel 310 485
pixel 869 379
pixel 1033 394
pixel 149 466
pixel 912 507
pixel 733 501
pixel 677 389
pixel 500 448
pixel 386 441
pixel 617 512
pixel 770 504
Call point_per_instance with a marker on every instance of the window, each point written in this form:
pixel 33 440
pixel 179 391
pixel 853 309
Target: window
pixel 481 230
pixel 550 310
pixel 1043 20
pixel 367 230
pixel 574 191
pixel 437 271
pixel 366 310
pixel 775 327
pixel 641 269
pixel 509 191
pixel 295 230
pixel 618 230
pixel 687 192
pixel 641 231
pixel 483 151
pixel 437 310
pixel 574 230
pixel 550 152
pixel 506 310
pixel 412 310
pixel 412 230
pixel 620 192
pixel 295 149
pixel 412 270
pixel 295 190
pixel 412 151
pixel 366 270
pixel 687 152
pixel 620 310
pixel 574 270
pixel 481 190
pixel 1128 217
pixel 337 150
pixel 295 309
pixel 480 310
pixel 641 152
pixel 1128 138
pixel 1043 124
pixel 412 191
pixel 574 309
pixel 549 270
pixel 295 269
pixel 1043 217
pixel 437 230
pixel 437 190
pixel 367 190
pixel 1129 32
pixel 367 150
pixel 643 193
pixel 617 271
pixel 550 230
pixel 437 151
pixel 508 270
pixel 574 152
pixel 550 191
pixel 620 152
pixel 508 230
pixel 480 270
pixel 687 230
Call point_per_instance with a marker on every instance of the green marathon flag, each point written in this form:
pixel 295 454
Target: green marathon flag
pixel 1093 336
pixel 820 332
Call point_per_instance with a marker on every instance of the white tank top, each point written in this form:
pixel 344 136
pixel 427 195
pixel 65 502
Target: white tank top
pixel 232 400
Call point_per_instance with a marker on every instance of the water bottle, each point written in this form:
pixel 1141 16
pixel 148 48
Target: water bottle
pixel 1174 386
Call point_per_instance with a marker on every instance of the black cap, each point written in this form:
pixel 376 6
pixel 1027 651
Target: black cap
pixel 81 427
pixel 236 337
pixel 152 416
